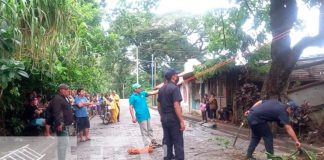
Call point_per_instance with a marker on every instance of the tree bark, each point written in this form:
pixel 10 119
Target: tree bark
pixel 283 14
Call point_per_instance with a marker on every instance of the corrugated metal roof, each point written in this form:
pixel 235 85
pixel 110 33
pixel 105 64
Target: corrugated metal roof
pixel 315 72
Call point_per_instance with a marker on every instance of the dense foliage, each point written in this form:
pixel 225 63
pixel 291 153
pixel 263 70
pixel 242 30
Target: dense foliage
pixel 43 44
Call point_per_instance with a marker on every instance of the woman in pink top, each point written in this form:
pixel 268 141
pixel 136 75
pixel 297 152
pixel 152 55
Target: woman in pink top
pixel 202 107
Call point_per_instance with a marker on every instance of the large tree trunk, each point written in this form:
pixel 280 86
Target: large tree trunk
pixel 283 14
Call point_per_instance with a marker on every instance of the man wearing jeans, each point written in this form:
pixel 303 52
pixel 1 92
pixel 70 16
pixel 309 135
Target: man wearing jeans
pixel 61 113
pixel 137 102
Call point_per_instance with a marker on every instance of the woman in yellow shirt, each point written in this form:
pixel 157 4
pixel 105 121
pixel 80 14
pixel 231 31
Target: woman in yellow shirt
pixel 114 106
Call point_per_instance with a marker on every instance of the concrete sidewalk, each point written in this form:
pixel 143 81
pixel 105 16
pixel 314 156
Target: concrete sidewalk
pixel 283 143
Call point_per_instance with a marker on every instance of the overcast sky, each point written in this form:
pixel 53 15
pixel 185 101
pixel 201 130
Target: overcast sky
pixel 310 17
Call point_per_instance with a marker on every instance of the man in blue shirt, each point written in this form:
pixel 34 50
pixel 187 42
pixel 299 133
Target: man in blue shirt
pixel 269 111
pixel 137 102
pixel 81 115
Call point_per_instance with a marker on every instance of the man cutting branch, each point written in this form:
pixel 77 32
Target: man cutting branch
pixel 266 111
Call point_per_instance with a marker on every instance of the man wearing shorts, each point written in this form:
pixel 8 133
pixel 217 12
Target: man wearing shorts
pixel 81 114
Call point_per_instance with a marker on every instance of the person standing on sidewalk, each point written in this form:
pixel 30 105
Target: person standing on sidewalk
pixel 213 106
pixel 169 98
pixel 206 101
pixel 81 114
pixel 137 102
pixel 202 107
pixel 114 108
pixel 115 102
pixel 61 113
pixel 266 111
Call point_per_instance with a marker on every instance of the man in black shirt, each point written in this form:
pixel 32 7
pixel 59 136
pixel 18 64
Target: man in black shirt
pixel 266 111
pixel 61 114
pixel 169 99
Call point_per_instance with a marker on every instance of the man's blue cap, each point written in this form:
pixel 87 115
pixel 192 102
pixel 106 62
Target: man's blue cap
pixel 292 104
pixel 136 85
pixel 169 73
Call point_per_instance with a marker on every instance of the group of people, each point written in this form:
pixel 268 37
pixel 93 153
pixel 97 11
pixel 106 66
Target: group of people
pixel 65 112
pixel 169 99
pixel 65 108
pixel 112 100
pixel 39 118
pixel 209 109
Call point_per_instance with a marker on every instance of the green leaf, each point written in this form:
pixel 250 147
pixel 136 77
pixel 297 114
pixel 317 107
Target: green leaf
pixel 11 75
pixel 79 73
pixel 23 73
pixel 4 67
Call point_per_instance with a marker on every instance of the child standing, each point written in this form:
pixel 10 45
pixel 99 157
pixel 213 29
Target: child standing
pixel 202 107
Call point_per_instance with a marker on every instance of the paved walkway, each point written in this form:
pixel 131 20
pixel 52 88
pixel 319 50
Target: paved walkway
pixel 112 141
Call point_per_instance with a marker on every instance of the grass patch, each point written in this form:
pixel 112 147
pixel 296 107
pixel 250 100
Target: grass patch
pixel 221 141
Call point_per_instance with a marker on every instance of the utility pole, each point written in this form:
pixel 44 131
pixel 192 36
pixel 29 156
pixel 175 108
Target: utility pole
pixel 155 65
pixel 154 82
pixel 152 71
pixel 136 64
pixel 152 76
pixel 123 90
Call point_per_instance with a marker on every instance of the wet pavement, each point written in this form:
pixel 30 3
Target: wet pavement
pixel 112 141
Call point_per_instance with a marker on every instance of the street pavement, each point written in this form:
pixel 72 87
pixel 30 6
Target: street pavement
pixel 110 142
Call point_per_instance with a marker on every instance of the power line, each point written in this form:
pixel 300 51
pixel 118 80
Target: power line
pixel 171 50
pixel 167 62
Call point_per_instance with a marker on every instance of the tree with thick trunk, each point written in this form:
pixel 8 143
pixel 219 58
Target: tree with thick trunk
pixel 283 15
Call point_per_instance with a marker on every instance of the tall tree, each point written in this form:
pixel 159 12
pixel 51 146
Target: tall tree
pixel 283 15
pixel 166 37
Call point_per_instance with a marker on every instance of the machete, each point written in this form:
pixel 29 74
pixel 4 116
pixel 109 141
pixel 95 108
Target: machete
pixel 238 132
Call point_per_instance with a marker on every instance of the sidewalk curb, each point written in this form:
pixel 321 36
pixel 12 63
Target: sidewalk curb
pixel 231 129
pixel 280 143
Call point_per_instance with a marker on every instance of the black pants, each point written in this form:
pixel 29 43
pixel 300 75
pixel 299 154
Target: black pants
pixel 224 115
pixel 204 115
pixel 172 137
pixel 213 113
pixel 258 131
pixel 209 115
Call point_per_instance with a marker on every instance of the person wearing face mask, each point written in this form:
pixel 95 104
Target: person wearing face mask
pixel 169 98
pixel 266 111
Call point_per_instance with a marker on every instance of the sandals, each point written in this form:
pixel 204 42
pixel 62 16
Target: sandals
pixel 83 140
